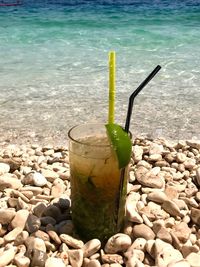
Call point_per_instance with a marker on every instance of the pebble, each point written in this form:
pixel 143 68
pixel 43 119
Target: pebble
pixel 7 256
pixel 52 211
pixel 142 230
pixel 148 179
pixel 39 209
pixel 52 234
pixel 162 209
pixel 36 190
pixel 21 238
pixel 32 224
pixel 36 244
pixel 164 235
pixel 47 220
pixel 41 234
pixel 72 242
pixel 9 181
pixel 155 157
pixel 94 263
pixel 6 215
pixel 112 258
pixel 144 164
pixel 195 216
pixel 167 256
pixel 38 258
pixel 155 149
pixel 35 178
pixel 64 202
pixel 182 231
pixel 171 207
pixel 54 262
pixel 193 259
pixel 189 163
pixel 180 157
pixel 57 190
pixel 75 257
pixel 193 143
pixel 21 261
pixel 115 265
pixel 91 247
pixel 139 244
pixel 187 249
pixel 137 153
pixel 134 262
pixel 118 243
pixel 181 263
pixel 14 163
pixel 49 175
pixel 4 168
pixel 150 248
pixel 65 175
pixel 12 235
pixel 135 253
pixel 20 219
pixel 158 197
pixel 133 215
pixel 159 245
pixel 198 176
pixel 65 227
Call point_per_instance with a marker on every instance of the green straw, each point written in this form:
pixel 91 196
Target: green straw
pixel 111 112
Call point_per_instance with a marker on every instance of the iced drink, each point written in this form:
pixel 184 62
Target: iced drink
pixel 97 201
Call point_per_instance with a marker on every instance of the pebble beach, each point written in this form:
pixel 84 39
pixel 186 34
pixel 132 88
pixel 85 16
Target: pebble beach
pixel 162 209
pixel 54 75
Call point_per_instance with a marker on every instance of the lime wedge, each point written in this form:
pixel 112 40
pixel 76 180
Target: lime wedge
pixel 121 143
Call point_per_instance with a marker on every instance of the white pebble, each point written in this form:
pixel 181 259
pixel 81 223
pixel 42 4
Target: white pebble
pixel 54 262
pixel 39 179
pixel 4 168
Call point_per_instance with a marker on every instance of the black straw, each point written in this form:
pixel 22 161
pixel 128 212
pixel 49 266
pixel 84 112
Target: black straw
pixel 135 93
pixel 128 118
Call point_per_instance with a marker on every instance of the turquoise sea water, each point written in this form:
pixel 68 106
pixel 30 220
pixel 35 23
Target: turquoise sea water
pixel 54 66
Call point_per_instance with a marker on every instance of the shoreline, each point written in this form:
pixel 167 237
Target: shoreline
pixel 60 138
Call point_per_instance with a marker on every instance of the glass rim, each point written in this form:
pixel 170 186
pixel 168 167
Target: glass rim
pixel 86 144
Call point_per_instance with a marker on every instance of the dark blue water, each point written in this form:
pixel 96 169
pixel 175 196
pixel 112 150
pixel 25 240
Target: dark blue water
pixel 54 66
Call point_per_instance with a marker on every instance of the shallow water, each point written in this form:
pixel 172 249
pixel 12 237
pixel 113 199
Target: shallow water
pixel 54 67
